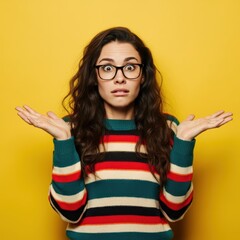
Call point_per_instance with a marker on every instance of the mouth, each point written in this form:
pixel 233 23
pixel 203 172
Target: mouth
pixel 120 90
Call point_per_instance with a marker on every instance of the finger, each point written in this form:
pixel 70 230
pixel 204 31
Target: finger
pixel 190 117
pixel 30 110
pixel 216 114
pixel 226 120
pixel 27 112
pixel 31 117
pixel 219 121
pixel 23 114
pixel 52 115
pixel 215 122
pixel 227 114
pixel 20 109
pixel 24 117
pixel 222 116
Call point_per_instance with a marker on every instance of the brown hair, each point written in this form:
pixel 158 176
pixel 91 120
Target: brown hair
pixel 87 109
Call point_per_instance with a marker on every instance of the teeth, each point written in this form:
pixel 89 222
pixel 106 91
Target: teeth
pixel 121 91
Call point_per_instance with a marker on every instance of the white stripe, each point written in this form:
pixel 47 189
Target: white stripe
pixel 180 170
pixel 63 217
pixel 123 201
pixel 111 228
pixel 123 147
pixel 65 198
pixel 177 199
pixel 120 174
pixel 67 170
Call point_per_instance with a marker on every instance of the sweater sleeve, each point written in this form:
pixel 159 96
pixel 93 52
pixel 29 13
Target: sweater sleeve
pixel 177 193
pixel 67 193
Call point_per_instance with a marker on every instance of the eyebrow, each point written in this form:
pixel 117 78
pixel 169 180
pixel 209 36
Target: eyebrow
pixel 125 60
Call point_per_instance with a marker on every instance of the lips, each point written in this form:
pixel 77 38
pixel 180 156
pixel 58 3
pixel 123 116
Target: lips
pixel 120 90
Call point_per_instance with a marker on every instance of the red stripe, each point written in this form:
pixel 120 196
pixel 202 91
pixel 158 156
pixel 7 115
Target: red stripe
pixel 177 206
pixel 120 138
pixel 66 177
pixel 180 177
pixel 125 219
pixel 72 206
pixel 110 165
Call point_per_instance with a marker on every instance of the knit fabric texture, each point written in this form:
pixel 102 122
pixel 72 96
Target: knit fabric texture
pixel 122 200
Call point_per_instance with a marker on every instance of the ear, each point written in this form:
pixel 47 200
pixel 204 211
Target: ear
pixel 142 80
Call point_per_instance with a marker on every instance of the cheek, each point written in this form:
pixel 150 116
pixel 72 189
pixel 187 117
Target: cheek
pixel 136 89
pixel 103 90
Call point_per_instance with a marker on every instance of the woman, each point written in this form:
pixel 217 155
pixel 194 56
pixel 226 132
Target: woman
pixel 122 169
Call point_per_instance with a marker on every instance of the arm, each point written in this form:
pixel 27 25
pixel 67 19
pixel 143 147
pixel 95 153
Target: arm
pixel 67 192
pixel 177 193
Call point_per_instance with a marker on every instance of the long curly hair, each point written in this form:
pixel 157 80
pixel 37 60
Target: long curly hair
pixel 87 108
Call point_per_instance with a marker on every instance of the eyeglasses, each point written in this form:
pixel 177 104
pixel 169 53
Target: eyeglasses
pixel 109 72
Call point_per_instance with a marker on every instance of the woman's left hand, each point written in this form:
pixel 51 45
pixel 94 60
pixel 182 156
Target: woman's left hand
pixel 190 128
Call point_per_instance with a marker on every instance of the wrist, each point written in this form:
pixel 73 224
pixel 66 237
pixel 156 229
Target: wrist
pixel 184 137
pixel 63 137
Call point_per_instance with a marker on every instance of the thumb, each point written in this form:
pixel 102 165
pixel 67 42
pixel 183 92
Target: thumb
pixel 190 117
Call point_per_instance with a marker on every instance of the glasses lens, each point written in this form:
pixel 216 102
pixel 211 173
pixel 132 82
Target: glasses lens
pixel 130 71
pixel 107 72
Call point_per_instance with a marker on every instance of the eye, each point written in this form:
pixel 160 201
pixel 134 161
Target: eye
pixel 107 68
pixel 130 67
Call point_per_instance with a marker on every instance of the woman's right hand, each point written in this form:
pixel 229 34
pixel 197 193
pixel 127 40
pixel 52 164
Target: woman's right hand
pixel 50 122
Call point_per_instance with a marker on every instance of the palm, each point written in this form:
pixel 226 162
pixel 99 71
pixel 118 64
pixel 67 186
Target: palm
pixel 190 128
pixel 50 123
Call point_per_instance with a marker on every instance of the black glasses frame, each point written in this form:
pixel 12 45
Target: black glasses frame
pixel 117 68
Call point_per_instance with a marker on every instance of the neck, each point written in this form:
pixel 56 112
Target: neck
pixel 121 113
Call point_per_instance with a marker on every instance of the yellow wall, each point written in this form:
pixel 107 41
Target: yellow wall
pixel 196 45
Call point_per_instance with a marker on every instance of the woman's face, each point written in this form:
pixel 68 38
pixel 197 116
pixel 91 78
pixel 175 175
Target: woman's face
pixel 120 92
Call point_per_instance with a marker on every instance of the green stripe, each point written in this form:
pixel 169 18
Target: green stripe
pixel 172 118
pixel 65 153
pixel 124 125
pixel 182 152
pixel 123 188
pixel 121 236
pixel 68 189
pixel 177 188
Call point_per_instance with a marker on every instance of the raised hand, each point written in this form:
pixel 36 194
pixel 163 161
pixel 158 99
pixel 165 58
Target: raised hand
pixel 190 128
pixel 50 122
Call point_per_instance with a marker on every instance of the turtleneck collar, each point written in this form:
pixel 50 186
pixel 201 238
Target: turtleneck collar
pixel 116 124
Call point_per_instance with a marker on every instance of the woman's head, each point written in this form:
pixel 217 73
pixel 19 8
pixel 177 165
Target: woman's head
pixel 88 106
pixel 87 74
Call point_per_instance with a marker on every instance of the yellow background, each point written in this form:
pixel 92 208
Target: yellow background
pixel 196 46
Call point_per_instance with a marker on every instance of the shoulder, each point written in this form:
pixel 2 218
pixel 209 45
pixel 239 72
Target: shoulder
pixel 172 122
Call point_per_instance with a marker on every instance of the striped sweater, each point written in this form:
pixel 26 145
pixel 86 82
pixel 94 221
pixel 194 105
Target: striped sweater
pixel 122 200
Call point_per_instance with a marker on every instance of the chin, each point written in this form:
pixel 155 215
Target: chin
pixel 120 106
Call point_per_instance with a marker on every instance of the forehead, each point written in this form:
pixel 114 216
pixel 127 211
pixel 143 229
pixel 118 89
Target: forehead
pixel 118 51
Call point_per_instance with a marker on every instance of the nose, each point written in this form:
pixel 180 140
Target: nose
pixel 119 78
